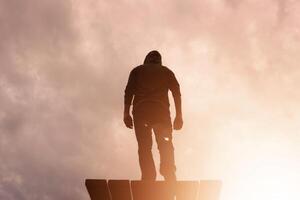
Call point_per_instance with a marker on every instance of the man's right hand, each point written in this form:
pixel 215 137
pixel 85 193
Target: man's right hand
pixel 128 121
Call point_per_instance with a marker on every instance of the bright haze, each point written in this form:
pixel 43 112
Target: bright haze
pixel 64 66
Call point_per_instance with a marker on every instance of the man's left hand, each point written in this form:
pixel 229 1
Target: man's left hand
pixel 178 123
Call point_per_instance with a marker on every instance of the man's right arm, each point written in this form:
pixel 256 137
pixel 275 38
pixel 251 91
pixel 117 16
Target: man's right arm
pixel 128 97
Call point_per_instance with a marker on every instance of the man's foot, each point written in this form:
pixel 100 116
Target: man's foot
pixel 170 177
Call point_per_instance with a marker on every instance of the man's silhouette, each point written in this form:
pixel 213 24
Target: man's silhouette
pixel 148 87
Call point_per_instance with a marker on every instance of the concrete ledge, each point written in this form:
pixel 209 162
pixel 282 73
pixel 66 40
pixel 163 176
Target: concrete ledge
pixel 101 189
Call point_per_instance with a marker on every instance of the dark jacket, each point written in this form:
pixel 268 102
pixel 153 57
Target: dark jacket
pixel 151 82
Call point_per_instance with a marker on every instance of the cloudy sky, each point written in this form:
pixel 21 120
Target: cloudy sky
pixel 64 66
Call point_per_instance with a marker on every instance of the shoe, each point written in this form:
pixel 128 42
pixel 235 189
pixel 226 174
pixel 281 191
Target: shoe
pixel 170 177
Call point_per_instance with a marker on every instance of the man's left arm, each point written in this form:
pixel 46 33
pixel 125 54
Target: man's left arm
pixel 175 89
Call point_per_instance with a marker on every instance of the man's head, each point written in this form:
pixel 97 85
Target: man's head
pixel 153 57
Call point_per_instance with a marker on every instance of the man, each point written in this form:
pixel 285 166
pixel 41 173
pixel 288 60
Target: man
pixel 148 87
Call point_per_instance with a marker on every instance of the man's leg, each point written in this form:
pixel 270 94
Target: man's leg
pixel 163 135
pixel 144 138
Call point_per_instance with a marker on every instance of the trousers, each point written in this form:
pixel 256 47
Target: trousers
pixel 145 124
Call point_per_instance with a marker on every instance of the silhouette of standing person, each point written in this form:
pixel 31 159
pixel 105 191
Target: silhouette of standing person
pixel 148 87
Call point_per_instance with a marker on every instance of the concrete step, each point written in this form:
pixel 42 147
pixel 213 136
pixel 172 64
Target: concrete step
pixel 101 189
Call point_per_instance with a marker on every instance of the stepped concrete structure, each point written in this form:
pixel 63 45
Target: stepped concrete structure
pixel 101 189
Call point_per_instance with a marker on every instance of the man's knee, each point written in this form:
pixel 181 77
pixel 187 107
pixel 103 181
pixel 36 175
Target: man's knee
pixel 145 149
pixel 165 144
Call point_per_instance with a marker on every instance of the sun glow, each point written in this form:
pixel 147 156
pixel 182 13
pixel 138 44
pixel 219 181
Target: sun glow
pixel 255 158
pixel 260 167
pixel 264 180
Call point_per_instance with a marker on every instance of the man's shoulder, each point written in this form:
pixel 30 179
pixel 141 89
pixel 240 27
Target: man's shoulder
pixel 162 68
pixel 167 70
pixel 135 69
